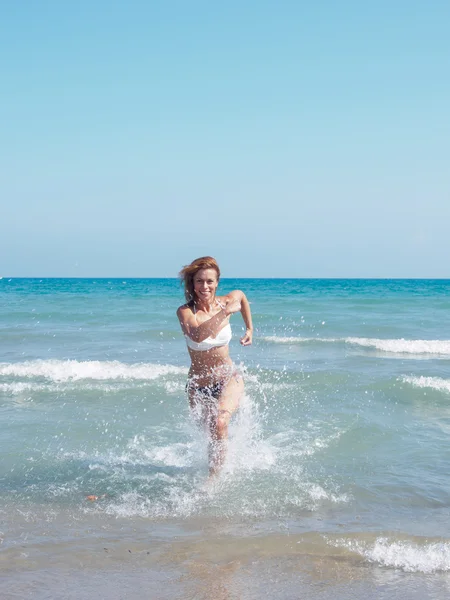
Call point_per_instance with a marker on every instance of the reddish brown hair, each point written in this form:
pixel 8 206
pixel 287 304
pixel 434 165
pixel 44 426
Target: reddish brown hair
pixel 188 273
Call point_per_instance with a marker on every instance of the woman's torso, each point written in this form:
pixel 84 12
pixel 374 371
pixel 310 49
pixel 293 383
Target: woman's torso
pixel 214 364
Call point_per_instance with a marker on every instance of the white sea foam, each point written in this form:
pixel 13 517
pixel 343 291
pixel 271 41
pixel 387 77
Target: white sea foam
pixel 396 346
pixel 261 476
pixel 406 555
pixel 93 375
pixel 73 370
pixel 275 339
pixel 176 454
pixel 435 383
pixel 402 346
pixel 20 388
pixel 174 387
pixel 248 450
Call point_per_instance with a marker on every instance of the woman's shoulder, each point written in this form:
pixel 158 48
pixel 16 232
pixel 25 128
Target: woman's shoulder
pixel 184 308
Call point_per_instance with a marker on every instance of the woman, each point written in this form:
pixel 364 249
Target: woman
pixel 215 386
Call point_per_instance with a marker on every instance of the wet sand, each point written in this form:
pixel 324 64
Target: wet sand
pixel 225 568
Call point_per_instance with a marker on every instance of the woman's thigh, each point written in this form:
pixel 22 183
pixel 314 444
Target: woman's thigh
pixel 231 395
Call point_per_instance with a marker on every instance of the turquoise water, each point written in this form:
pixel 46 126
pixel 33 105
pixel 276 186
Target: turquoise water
pixel 341 443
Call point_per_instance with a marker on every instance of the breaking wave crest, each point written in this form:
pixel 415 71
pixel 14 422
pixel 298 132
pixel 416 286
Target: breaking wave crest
pixel 435 383
pixel 402 346
pixel 396 346
pixel 73 370
pixel 407 555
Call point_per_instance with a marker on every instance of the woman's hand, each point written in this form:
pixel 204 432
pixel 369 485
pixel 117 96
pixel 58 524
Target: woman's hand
pixel 247 339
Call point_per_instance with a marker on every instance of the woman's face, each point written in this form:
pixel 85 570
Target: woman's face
pixel 205 284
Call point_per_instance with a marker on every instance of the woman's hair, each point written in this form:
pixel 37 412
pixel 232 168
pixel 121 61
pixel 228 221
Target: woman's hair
pixel 188 273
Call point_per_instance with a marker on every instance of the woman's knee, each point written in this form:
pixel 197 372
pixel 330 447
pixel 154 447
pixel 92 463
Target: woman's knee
pixel 222 422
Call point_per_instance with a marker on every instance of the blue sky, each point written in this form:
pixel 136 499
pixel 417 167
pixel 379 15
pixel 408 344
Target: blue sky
pixel 287 139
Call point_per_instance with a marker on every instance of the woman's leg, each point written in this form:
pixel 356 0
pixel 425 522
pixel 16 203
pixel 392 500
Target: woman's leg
pixel 227 404
pixel 203 406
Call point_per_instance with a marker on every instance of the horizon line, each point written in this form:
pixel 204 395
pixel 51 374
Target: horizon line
pixel 340 278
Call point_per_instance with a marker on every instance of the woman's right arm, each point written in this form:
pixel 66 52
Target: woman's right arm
pixel 199 332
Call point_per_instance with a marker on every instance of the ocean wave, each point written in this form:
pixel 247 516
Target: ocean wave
pixel 407 555
pixel 73 370
pixel 275 339
pixel 435 383
pixel 402 346
pixel 396 346
pixel 20 388
pixel 17 388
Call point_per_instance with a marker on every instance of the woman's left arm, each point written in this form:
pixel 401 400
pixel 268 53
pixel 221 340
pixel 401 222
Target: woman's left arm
pixel 246 313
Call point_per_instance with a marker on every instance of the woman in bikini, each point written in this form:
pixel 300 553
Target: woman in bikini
pixel 214 386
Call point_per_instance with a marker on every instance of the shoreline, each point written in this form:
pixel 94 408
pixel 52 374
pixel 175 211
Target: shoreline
pixel 226 568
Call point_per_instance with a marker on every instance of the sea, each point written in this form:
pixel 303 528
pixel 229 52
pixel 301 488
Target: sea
pixel 337 479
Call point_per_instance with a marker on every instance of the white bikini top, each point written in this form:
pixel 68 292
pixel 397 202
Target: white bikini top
pixel 222 338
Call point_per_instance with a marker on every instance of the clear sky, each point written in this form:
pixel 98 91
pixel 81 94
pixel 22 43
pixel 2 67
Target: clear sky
pixel 288 139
